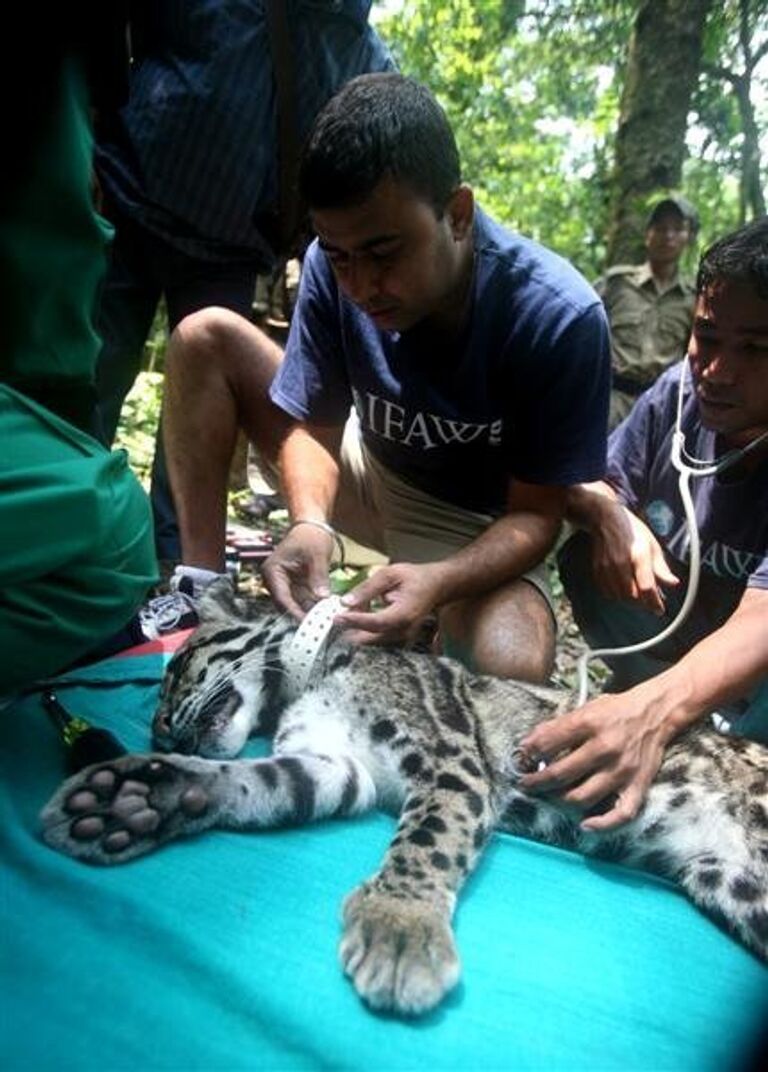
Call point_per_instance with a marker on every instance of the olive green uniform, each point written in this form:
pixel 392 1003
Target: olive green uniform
pixel 650 328
pixel 76 549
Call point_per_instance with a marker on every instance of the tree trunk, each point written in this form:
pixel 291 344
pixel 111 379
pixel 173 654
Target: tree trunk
pixel 662 72
pixel 751 196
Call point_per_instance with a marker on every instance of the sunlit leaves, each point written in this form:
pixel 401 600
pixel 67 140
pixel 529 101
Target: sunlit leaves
pixel 532 89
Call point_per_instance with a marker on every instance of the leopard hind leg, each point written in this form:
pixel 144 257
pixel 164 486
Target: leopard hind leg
pixel 732 888
pixel 714 844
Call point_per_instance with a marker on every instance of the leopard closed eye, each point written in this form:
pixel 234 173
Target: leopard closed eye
pixel 417 735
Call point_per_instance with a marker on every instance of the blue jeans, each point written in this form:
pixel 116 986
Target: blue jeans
pixel 142 269
pixel 610 623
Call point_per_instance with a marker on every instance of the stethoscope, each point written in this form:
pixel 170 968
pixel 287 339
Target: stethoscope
pixel 687 467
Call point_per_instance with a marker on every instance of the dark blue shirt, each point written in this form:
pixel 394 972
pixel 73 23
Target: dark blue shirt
pixel 731 513
pixel 524 395
pixel 193 154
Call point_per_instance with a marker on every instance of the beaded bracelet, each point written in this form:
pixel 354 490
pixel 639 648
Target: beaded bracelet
pixel 339 543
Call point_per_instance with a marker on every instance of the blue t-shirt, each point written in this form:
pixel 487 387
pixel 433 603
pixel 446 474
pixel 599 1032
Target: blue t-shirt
pixel 731 513
pixel 523 394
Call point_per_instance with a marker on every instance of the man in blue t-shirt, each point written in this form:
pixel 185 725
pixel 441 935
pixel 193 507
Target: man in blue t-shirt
pixel 477 367
pixel 627 572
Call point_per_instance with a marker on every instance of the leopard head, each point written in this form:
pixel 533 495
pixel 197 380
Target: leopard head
pixel 225 683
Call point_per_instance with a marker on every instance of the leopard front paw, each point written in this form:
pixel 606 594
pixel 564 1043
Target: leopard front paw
pixel 112 812
pixel 400 954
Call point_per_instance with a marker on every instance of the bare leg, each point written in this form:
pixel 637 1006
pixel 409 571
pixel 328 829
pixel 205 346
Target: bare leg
pixel 509 632
pixel 218 371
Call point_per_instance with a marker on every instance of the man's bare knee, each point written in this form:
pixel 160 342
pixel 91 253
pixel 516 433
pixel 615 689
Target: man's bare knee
pixel 207 336
pixel 509 633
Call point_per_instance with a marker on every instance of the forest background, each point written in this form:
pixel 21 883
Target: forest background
pixel 573 117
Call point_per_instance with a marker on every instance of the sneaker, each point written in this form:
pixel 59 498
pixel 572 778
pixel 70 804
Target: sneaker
pixel 720 722
pixel 166 614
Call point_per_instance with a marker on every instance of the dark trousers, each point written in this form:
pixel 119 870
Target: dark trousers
pixel 142 269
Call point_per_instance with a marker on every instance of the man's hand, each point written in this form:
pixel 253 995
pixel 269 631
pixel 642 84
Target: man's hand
pixel 628 561
pixel 296 573
pixel 609 749
pixel 409 593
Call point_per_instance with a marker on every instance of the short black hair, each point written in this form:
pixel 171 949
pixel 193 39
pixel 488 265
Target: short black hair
pixel 739 257
pixel 378 125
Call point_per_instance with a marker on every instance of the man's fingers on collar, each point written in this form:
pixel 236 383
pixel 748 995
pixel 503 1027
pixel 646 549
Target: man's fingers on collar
pixel 361 637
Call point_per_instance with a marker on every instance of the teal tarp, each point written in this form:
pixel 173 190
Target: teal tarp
pixel 220 953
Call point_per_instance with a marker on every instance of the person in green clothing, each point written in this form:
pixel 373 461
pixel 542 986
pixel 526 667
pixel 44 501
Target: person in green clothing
pixel 76 548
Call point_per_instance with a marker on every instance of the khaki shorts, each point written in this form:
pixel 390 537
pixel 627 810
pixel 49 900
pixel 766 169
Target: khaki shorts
pixel 377 509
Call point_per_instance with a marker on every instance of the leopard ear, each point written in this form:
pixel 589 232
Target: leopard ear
pixel 218 602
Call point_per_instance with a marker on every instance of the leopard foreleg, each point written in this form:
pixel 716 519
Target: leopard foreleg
pixel 113 812
pixel 398 945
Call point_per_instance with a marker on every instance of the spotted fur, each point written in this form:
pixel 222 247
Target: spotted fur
pixel 420 736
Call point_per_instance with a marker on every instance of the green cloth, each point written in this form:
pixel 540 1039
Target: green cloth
pixel 220 952
pixel 76 554
pixel 52 258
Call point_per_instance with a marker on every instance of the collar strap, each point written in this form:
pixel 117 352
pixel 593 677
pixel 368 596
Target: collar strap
pixel 307 644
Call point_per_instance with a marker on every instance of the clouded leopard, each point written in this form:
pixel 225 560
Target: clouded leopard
pixel 416 734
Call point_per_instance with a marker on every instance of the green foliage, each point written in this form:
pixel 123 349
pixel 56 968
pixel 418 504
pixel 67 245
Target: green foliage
pixel 138 422
pixel 532 93
pixel 533 89
pixel 141 410
pixel 344 579
pixel 157 342
pixel 736 31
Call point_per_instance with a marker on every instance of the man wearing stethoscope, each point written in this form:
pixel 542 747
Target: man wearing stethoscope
pixel 675 542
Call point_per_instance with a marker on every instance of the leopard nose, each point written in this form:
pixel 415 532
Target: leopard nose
pixel 161 732
pixel 163 742
pixel 160 724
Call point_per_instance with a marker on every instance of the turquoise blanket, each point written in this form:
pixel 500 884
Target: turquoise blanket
pixel 220 953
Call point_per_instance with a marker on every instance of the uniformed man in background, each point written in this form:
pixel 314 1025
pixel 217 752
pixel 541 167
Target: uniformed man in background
pixel 650 305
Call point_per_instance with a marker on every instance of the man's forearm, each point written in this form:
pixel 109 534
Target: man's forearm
pixel 309 471
pixel 723 667
pixel 588 505
pixel 510 547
